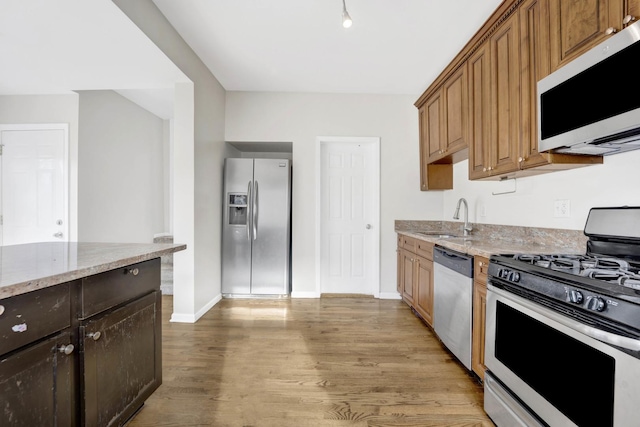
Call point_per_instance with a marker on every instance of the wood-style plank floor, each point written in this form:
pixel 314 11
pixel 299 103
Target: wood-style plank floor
pixel 309 362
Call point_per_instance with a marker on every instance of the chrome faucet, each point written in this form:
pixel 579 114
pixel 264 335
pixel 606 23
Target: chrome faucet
pixel 466 228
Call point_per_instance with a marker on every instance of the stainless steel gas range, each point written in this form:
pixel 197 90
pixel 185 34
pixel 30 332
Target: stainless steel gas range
pixel 563 331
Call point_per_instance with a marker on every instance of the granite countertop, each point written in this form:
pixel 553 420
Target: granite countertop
pixel 487 240
pixel 25 268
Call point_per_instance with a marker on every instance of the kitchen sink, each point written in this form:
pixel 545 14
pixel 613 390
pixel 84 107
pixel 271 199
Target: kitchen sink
pixel 444 235
pixel 439 234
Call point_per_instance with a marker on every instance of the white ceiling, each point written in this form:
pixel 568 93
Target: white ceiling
pixel 53 47
pixel 393 47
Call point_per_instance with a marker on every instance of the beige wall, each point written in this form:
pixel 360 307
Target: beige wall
pixel 614 183
pixel 300 118
pixel 120 170
pixel 209 152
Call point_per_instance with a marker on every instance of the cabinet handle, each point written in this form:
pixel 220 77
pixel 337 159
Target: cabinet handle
pixel 520 159
pixel 133 271
pixel 610 31
pixel 628 19
pixel 1 309
pixel 66 349
pixel 484 169
pixel 94 335
pixel 481 264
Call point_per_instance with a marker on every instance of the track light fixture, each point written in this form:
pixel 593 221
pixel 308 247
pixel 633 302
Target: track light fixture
pixel 346 19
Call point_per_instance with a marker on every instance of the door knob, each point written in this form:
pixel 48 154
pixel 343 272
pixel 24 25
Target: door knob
pixel 368 226
pixel 58 235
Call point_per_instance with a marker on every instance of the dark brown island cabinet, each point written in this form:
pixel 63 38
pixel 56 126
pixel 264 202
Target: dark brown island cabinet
pixel 86 352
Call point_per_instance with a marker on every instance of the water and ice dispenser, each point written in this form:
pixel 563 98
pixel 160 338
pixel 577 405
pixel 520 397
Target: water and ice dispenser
pixel 237 209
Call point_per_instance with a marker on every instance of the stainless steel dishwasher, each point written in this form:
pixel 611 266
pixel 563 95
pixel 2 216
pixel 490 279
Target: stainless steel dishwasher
pixel 453 296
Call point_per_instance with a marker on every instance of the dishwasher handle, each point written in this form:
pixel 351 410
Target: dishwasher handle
pixel 456 261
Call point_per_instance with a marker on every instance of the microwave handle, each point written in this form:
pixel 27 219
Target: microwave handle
pixel 597 334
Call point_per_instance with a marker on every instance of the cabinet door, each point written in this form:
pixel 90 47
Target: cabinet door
pixel 479 111
pixel 631 11
pixel 407 276
pixel 121 360
pixel 36 385
pixel 432 130
pixel 505 97
pixel 424 289
pixel 578 25
pixel 455 94
pixel 535 63
pixel 479 324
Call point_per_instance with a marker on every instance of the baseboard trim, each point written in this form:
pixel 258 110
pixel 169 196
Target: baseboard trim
pixel 305 295
pixel 390 295
pixel 193 318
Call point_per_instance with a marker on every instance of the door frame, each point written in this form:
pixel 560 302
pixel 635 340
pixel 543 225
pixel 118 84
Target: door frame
pixel 374 142
pixel 65 169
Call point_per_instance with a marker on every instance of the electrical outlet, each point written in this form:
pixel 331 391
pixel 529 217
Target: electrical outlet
pixel 562 208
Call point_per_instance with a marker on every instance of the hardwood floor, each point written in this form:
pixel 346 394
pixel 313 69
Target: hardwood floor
pixel 309 362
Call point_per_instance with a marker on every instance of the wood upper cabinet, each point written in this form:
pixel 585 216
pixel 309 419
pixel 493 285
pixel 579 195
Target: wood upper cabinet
pixel 579 25
pixel 443 131
pixel 505 97
pixel 443 118
pixel 433 176
pixel 631 12
pixel 455 101
pixel 494 83
pixel 479 111
pixel 431 127
pixel 535 60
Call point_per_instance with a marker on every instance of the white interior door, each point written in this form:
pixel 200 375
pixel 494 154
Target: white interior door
pixel 34 183
pixel 349 215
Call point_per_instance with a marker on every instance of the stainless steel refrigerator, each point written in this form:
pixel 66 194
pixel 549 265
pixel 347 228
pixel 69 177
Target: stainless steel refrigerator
pixel 256 227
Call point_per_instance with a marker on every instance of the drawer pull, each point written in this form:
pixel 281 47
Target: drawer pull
pixel 66 349
pixel 94 335
pixel 133 271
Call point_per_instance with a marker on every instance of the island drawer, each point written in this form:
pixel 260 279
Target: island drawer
pixel 103 291
pixel 28 317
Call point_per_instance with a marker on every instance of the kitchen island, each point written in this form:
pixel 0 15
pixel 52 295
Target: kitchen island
pixel 80 331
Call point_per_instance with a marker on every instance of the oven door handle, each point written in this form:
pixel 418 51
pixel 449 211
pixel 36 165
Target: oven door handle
pixel 597 334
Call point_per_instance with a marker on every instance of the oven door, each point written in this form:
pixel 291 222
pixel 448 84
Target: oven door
pixel 563 375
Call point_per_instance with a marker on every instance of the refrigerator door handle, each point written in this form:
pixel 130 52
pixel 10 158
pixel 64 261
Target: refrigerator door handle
pixel 255 210
pixel 249 209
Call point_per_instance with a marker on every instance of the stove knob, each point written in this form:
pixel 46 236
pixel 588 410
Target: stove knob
pixel 513 276
pixel 575 297
pixel 596 304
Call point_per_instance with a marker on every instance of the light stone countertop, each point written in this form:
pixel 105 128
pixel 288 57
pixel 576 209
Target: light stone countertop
pixel 28 267
pixel 487 240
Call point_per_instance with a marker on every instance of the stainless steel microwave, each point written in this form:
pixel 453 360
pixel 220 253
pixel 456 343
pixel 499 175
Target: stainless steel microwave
pixel 591 105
